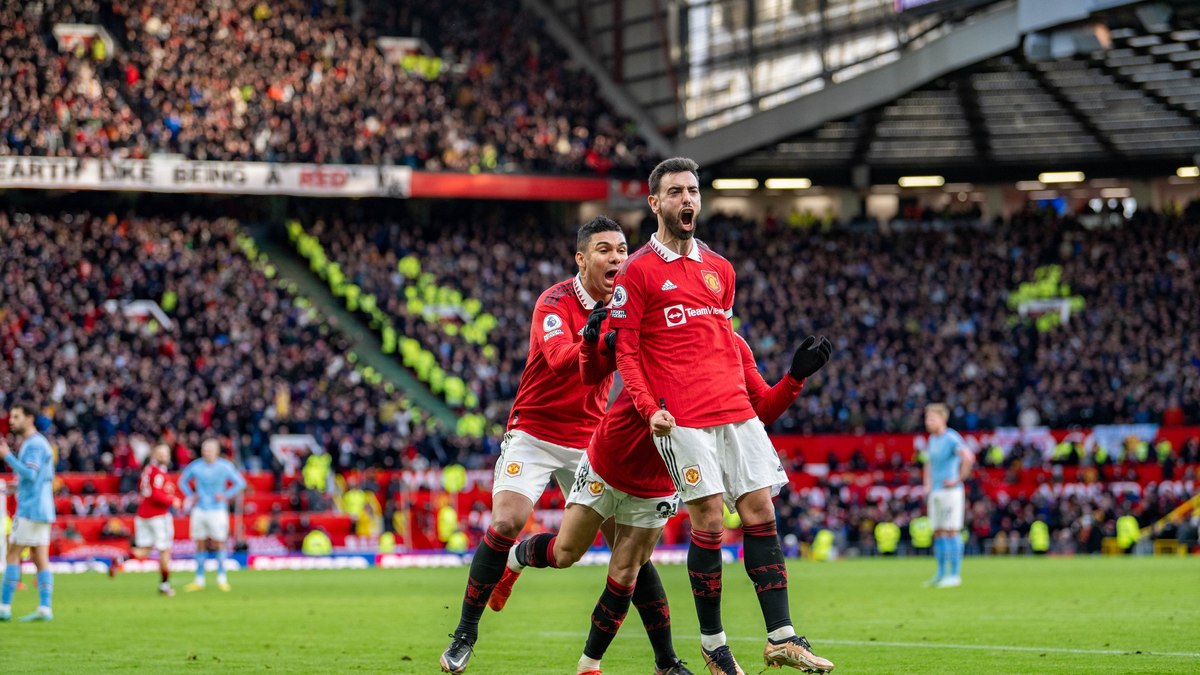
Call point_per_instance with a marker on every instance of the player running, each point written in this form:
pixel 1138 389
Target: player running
pixel 216 482
pixel 34 466
pixel 552 418
pixel 671 306
pixel 950 463
pixel 641 497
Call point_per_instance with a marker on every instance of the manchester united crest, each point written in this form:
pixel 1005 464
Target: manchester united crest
pixel 691 475
pixel 512 469
pixel 595 487
pixel 712 281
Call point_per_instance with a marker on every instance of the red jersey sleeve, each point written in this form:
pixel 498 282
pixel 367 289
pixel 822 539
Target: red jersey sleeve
pixel 156 488
pixel 551 331
pixel 595 361
pixel 629 297
pixel 769 402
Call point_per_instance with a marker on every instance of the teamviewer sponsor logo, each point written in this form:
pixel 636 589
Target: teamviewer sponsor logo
pixel 675 315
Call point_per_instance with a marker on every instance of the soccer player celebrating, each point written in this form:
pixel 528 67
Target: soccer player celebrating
pixel 216 482
pixel 641 498
pixel 552 417
pixel 671 306
pixel 34 466
pixel 950 462
pixel 153 527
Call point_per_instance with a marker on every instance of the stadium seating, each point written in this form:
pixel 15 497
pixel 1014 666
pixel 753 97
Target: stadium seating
pixel 310 83
pixel 898 344
pixel 451 288
pixel 242 358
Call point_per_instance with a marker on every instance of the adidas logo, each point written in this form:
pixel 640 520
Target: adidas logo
pixel 668 286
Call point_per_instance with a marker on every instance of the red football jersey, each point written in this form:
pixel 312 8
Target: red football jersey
pixel 553 404
pixel 674 341
pixel 623 451
pixel 157 490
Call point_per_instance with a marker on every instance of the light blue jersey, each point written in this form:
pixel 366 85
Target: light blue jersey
pixel 218 478
pixel 944 462
pixel 34 466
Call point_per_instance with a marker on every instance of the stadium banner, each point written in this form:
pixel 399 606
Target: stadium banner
pixel 167 174
pixel 178 175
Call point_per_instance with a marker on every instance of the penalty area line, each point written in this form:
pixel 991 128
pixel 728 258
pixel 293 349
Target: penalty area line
pixel 933 645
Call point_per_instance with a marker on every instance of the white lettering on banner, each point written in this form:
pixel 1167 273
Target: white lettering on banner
pixel 172 174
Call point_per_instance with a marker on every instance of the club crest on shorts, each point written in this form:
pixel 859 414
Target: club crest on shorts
pixel 712 281
pixel 691 475
pixel 595 487
pixel 513 469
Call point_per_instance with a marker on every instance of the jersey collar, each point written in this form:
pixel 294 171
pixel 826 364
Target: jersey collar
pixel 584 299
pixel 671 256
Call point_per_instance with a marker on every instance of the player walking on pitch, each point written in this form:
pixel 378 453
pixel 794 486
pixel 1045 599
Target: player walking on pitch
pixel 950 462
pixel 154 527
pixel 671 307
pixel 34 466
pixel 216 481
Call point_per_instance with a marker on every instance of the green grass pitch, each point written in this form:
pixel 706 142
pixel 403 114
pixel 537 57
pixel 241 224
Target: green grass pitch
pixel 1012 615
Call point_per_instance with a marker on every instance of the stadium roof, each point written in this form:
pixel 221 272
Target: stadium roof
pixel 1109 87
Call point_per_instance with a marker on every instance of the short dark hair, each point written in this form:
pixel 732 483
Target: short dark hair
pixel 26 407
pixel 597 224
pixel 673 165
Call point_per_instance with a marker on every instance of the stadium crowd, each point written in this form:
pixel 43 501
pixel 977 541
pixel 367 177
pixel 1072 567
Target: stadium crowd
pixel 307 82
pixel 916 315
pixel 470 249
pixel 242 359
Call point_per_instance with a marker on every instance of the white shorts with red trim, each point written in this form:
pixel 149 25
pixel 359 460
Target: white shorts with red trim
pixel 526 465
pixel 591 490
pixel 729 459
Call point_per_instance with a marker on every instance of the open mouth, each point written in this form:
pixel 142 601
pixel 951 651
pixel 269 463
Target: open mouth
pixel 610 275
pixel 686 216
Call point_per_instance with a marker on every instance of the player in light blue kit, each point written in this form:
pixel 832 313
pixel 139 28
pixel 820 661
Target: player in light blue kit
pixel 950 462
pixel 34 466
pixel 216 482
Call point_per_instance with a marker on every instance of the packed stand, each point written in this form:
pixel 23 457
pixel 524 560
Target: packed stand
pixel 307 82
pixel 242 360
pixel 471 248
pixel 923 315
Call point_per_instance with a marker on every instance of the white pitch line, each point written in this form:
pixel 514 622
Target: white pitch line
pixel 936 645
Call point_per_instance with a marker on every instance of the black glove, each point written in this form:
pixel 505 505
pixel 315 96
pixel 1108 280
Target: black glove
pixel 610 340
pixel 591 330
pixel 810 356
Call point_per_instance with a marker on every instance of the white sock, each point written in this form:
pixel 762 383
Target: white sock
pixel 42 609
pixel 512 561
pixel 222 579
pixel 6 608
pixel 711 642
pixel 586 664
pixel 780 634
